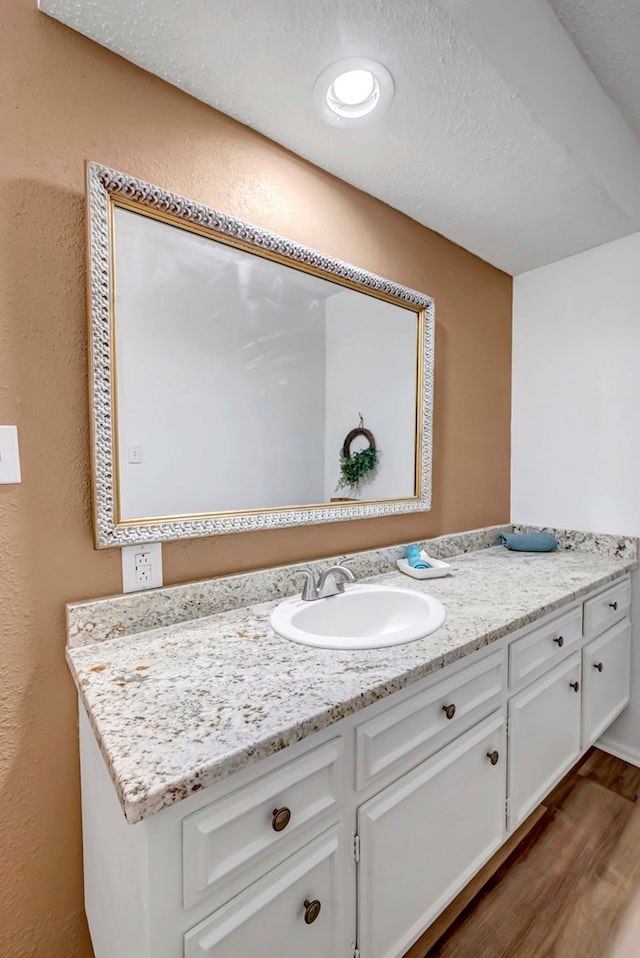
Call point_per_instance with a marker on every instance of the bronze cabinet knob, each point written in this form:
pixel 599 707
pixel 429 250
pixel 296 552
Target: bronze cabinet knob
pixel 598 665
pixel 311 910
pixel 494 757
pixel 614 606
pixel 575 686
pixel 281 818
pixel 559 641
pixel 449 710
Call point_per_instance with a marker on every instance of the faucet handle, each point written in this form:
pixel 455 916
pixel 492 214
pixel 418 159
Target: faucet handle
pixel 343 571
pixel 332 581
pixel 310 590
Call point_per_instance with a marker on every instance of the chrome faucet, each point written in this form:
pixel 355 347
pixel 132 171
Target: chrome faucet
pixel 330 582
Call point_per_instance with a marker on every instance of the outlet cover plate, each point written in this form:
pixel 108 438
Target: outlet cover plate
pixel 142 567
pixel 9 456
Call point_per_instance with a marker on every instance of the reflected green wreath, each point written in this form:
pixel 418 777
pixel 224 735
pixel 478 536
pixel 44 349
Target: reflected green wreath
pixel 354 467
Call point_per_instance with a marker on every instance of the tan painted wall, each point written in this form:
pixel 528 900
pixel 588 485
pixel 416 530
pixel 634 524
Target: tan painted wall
pixel 64 100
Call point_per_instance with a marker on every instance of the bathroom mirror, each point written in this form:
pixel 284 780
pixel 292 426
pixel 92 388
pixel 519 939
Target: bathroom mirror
pixel 241 381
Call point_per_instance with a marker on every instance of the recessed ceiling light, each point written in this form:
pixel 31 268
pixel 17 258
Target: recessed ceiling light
pixel 352 91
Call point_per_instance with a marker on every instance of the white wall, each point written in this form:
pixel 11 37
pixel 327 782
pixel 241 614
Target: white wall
pixel 225 396
pixel 576 391
pixel 371 369
pixel 576 408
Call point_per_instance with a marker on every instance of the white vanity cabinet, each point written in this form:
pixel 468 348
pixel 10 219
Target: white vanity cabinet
pixel 544 736
pixel 423 837
pixel 349 843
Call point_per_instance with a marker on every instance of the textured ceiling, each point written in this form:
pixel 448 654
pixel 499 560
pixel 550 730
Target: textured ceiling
pixel 461 149
pixel 607 33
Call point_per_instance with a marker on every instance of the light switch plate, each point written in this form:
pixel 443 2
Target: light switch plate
pixel 9 455
pixel 142 567
pixel 134 452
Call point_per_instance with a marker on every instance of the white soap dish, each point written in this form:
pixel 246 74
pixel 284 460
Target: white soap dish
pixel 437 570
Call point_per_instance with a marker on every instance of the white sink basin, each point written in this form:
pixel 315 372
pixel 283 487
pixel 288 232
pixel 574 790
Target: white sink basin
pixel 363 617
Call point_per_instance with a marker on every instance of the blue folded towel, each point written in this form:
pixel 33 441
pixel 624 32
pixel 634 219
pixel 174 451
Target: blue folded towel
pixel 529 541
pixel 415 559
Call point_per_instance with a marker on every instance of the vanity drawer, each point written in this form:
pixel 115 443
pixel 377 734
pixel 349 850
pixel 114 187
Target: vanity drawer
pixel 608 607
pixel 276 916
pixel 400 733
pixel 224 839
pixel 544 646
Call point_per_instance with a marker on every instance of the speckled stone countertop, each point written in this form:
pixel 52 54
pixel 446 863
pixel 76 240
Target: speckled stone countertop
pixel 180 707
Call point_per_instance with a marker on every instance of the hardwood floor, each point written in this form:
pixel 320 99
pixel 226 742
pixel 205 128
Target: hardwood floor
pixel 570 888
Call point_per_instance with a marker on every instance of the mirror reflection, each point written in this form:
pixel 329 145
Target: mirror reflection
pixel 243 384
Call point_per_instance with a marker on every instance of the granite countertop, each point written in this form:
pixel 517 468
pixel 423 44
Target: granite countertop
pixel 180 707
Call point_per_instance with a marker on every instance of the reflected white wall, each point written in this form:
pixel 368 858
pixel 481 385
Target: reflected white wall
pixel 220 383
pixel 371 369
pixel 238 378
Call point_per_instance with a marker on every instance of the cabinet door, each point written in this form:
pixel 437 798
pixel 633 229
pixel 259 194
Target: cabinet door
pixel 606 665
pixel 276 916
pixel 425 836
pixel 544 736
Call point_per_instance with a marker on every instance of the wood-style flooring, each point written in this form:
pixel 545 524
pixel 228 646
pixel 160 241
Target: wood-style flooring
pixel 570 888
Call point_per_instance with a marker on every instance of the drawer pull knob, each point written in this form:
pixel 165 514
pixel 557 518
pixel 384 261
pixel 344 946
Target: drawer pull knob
pixel 559 641
pixel 598 665
pixel 494 757
pixel 281 818
pixel 311 910
pixel 575 686
pixel 449 710
pixel 614 606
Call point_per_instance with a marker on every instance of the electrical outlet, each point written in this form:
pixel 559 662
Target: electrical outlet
pixel 143 577
pixel 141 567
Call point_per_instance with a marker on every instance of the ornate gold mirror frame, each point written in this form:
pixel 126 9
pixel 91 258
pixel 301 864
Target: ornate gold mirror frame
pixel 106 189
